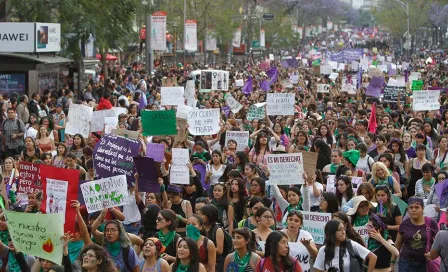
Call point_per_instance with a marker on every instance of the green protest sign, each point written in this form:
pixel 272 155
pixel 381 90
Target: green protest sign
pixel 159 123
pixel 417 85
pixel 37 234
pixel 256 113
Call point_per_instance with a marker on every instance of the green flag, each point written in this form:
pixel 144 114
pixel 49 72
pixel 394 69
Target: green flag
pixel 401 204
pixel 159 123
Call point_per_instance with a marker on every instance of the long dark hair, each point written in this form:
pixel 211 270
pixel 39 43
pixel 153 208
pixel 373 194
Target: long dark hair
pixel 257 146
pixel 248 236
pixel 330 243
pixel 350 232
pixel 332 200
pixel 106 265
pixel 242 193
pixel 329 135
pixel 194 255
pixel 271 248
pixel 349 192
pixel 224 201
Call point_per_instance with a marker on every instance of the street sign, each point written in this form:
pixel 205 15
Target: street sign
pixel 255 44
pixel 269 16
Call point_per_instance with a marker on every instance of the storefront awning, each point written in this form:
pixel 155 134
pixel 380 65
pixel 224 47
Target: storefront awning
pixel 41 59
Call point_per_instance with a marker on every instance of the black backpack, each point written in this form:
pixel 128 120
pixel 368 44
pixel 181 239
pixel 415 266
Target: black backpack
pixel 356 262
pixel 228 245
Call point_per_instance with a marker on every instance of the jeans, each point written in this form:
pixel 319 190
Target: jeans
pixel 408 265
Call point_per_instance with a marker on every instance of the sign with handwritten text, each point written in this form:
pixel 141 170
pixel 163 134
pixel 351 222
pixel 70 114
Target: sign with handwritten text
pixel 79 118
pixel 204 122
pixel 29 179
pixel 314 223
pixel 280 103
pixel 285 169
pixel 426 100
pixel 172 96
pixel 240 137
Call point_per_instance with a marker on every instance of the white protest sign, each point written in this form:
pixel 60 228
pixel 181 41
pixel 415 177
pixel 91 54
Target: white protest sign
pixel 414 76
pixel 79 118
pixel 356 181
pixel 389 58
pixel 280 103
pixel 180 156
pixel 382 68
pixel 109 124
pixel 323 88
pixel 363 232
pixel 179 172
pixel 98 117
pixel 234 105
pixel 105 193
pixel 189 89
pixel 333 64
pixel 426 100
pixel 341 67
pixel 271 57
pixel 285 169
pixel 333 76
pixel 365 64
pixel 256 113
pixel 348 86
pixel 331 184
pixel 204 122
pixel 314 223
pixel 239 82
pixel 355 66
pixel 172 96
pixel 56 196
pixel 240 137
pixel 182 111
pixel 325 69
pixel 294 79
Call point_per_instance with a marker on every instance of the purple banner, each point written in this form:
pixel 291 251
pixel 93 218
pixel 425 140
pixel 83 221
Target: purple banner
pixel 201 169
pixel 290 63
pixel 147 172
pixel 155 151
pixel 113 156
pixel 346 55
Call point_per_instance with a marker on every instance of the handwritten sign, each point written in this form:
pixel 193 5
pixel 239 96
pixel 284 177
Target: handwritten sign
pixel 256 113
pixel 155 151
pixel 179 172
pixel 314 223
pixel 79 118
pixel 326 69
pixel 234 105
pixel 113 155
pixel 285 169
pixel 159 123
pixel 417 85
pixel 29 179
pixel 99 117
pixel 280 103
pixel 172 96
pixel 391 94
pixel 105 193
pixel 204 122
pixel 56 192
pixel 426 100
pixel 294 79
pixel 239 82
pixel 240 137
pixel 363 232
pixel 37 234
pixel 323 88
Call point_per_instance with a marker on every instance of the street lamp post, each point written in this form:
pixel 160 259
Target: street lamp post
pixel 405 6
pixel 185 19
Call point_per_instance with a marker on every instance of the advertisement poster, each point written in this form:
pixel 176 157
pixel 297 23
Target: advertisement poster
pixel 158 30
pixel 191 35
pixel 210 42
pixel 12 82
pixel 48 37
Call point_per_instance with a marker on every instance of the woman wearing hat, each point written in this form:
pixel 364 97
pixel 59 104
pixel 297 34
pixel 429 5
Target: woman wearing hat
pixel 152 251
pixel 351 158
pixel 360 211
pixel 412 237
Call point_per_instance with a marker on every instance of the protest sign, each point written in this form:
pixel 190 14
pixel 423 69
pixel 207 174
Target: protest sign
pixel 239 82
pixel 105 193
pixel 204 122
pixel 109 124
pixel 356 181
pixel 333 76
pixel 294 79
pixel 234 105
pixel 157 123
pixel 78 121
pixel 417 85
pixel 331 184
pixel 345 55
pixel 314 223
pixel 333 64
pixel 309 163
pixel 182 131
pixel 326 69
pixel 217 80
pixel 375 86
pixel 348 85
pixel 125 133
pixel 147 172
pixel 354 66
pixel 29 179
pixel 59 187
pixel 37 234
pixel 426 100
pixel 98 117
pixel 414 76
pixel 172 96
pixel 240 137
pixel 256 113
pixel 180 156
pixel 280 103
pixel 390 94
pixel 182 111
pixel 287 84
pixel 363 232
pixel 323 88
pixel 155 151
pixel 441 189
pixel 285 169
pixel 113 155
pixel 179 172
pixel 189 89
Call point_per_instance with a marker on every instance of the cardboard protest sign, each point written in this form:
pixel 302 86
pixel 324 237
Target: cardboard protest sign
pixel 37 234
pixel 323 88
pixel 240 137
pixel 441 189
pixel 148 179
pixel 59 187
pixel 204 122
pixel 234 105
pixel 159 123
pixel 172 96
pixel 417 85
pixel 314 223
pixel 29 179
pixel 217 80
pixel 79 118
pixel 426 100
pixel 113 155
pixel 99 117
pixel 256 113
pixel 182 130
pixel 280 103
pixel 179 172
pixel 105 193
pixel 125 133
pixel 390 94
pixel 155 151
pixel 309 163
pixel 285 169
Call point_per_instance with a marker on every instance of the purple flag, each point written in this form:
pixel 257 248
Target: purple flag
pixel 247 88
pixel 265 85
pixel 284 64
pixel 292 63
pixel 375 86
pixel 226 110
pixel 359 79
pixel 202 170
pixel 391 71
pixel 148 180
pixel 441 189
pixel 273 74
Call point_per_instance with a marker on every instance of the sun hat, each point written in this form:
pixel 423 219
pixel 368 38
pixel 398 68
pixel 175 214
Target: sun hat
pixel 358 200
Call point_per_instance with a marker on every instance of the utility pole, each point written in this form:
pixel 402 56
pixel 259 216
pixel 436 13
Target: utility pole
pixel 185 35
pixel 148 48
pixel 405 6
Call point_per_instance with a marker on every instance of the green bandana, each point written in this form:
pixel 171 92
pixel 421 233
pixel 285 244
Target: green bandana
pixel 193 232
pixel 13 264
pixel 4 236
pixel 361 221
pixel 113 248
pixel 373 244
pixel 182 268
pixel 295 208
pixel 166 239
pixel 333 167
pixel 429 183
pixel 242 263
pixel 74 248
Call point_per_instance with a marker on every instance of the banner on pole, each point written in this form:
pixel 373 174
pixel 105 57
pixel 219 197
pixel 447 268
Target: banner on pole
pixel 191 35
pixel 158 31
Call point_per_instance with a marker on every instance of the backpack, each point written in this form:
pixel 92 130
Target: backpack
pixel 356 262
pixel 18 125
pixel 228 245
pixel 389 180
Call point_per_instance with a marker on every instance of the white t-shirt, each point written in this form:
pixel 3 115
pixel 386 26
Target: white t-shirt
pixel 358 249
pixel 131 211
pixel 314 200
pixel 216 174
pixel 298 251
